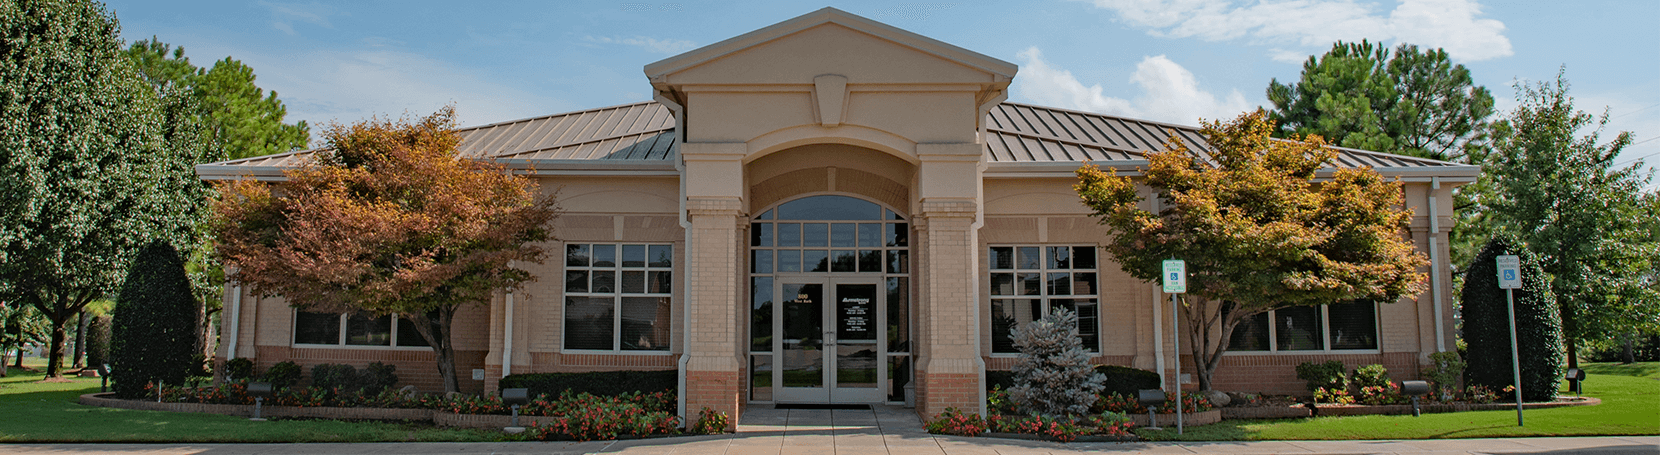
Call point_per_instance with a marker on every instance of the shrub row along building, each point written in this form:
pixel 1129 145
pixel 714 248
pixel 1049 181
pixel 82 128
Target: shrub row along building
pixel 831 210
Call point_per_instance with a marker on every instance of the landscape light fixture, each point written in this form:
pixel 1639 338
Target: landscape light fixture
pixel 1574 377
pixel 1151 398
pixel 1414 389
pixel 515 398
pixel 260 391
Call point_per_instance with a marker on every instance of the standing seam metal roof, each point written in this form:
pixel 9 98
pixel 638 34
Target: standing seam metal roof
pixel 644 133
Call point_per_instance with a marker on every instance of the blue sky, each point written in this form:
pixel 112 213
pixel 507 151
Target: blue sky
pixel 1171 60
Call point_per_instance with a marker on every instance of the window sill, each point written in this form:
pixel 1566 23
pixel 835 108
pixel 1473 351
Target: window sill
pixel 595 352
pixel 356 347
pixel 1323 352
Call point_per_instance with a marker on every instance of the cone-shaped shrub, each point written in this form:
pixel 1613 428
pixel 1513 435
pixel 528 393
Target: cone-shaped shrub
pixel 1487 325
pixel 1054 376
pixel 154 337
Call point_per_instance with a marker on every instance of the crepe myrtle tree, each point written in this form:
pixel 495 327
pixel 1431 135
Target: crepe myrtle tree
pixel 387 220
pixel 1257 232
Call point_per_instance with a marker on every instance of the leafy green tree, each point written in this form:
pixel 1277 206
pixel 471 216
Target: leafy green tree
pixel 389 221
pixel 97 163
pixel 154 337
pixel 19 325
pixel 1413 102
pixel 1487 324
pixel 1554 184
pixel 1255 229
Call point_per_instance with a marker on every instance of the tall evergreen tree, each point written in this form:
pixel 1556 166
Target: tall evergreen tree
pixel 154 337
pixel 1487 324
pixel 244 119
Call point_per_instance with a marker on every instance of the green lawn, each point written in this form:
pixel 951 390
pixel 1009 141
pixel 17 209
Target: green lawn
pixel 47 412
pixel 1630 406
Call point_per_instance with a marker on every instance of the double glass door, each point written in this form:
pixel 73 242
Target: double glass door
pixel 831 343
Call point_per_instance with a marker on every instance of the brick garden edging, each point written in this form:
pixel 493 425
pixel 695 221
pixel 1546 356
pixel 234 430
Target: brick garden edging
pixel 1191 419
pixel 1266 412
pixel 485 421
pixel 1400 409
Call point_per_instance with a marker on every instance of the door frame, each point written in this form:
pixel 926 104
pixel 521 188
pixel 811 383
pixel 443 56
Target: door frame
pixel 830 393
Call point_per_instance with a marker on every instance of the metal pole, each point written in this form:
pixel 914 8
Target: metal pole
pixel 1176 345
pixel 1515 354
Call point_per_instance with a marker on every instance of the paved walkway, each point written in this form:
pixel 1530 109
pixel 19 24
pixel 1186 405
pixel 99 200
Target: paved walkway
pixel 884 430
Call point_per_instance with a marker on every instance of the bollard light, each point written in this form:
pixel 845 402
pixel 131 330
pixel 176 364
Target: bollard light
pixel 1574 377
pixel 515 398
pixel 1414 389
pixel 1151 398
pixel 105 374
pixel 260 391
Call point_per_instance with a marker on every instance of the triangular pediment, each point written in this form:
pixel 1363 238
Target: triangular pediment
pixel 830 41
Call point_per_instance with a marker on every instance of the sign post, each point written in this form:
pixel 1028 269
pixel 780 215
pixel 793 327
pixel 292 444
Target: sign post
pixel 1175 282
pixel 1510 278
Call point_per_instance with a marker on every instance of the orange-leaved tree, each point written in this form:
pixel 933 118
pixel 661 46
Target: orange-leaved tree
pixel 1263 224
pixel 387 219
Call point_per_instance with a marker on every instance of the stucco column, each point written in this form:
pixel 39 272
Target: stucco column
pixel 713 185
pixel 949 367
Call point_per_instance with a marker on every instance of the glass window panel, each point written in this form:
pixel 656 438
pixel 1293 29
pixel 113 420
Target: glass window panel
pixel 576 255
pixel 760 261
pixel 815 260
pixel 1083 257
pixel 316 328
pixel 760 234
pixel 767 215
pixel 870 235
pixel 1002 284
pixel 588 323
pixel 634 282
pixel 605 255
pixel 1354 325
pixel 1001 258
pixel 870 261
pixel 892 215
pixel 899 261
pixel 898 234
pixel 789 261
pixel 605 282
pixel 844 261
pixel 1089 320
pixel 899 314
pixel 634 255
pixel 660 282
pixel 645 323
pixel 364 330
pixel 1029 258
pixel 408 336
pixel 789 234
pixel 1083 283
pixel 1006 316
pixel 662 255
pixel 802 336
pixel 829 207
pixel 1028 284
pixel 815 234
pixel 844 235
pixel 1251 334
pixel 576 281
pixel 1298 329
pixel 1059 257
pixel 1060 283
pixel 760 377
pixel 899 374
pixel 760 314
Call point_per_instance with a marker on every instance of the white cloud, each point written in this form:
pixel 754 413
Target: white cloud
pixel 663 46
pixel 1170 93
pixel 283 15
pixel 1453 25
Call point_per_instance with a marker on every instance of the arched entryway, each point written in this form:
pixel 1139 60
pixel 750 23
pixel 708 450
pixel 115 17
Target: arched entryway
pixel 829 312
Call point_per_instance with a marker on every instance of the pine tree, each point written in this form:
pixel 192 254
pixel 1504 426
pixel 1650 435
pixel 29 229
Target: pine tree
pixel 1054 376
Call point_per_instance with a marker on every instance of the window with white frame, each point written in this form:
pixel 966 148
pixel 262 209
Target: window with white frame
pixel 617 296
pixel 355 330
pixel 1029 281
pixel 1349 326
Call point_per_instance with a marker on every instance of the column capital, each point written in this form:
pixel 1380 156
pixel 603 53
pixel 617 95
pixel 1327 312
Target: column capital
pixel 948 208
pixel 713 206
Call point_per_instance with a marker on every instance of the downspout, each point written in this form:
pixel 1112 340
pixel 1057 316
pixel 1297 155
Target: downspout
pixel 974 244
pixel 507 338
pixel 686 233
pixel 1435 265
pixel 236 320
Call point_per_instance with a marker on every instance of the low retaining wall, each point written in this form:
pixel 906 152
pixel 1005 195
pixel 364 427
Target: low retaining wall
pixel 1266 412
pixel 485 421
pixel 1192 419
pixel 1404 409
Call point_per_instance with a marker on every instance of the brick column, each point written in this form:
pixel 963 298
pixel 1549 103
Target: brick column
pixel 713 373
pixel 949 371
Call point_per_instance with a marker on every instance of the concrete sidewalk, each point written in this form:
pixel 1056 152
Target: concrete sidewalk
pixel 884 430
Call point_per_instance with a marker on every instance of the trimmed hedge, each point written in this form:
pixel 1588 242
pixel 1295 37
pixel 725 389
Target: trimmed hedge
pixel 98 342
pixel 603 383
pixel 1487 325
pixel 1120 379
pixel 154 335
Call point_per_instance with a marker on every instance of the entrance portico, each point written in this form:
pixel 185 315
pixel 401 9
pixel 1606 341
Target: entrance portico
pixel 783 113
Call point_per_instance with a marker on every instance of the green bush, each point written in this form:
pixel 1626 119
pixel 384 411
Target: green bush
pixel 154 333
pixel 604 383
pixel 98 342
pixel 1445 369
pixel 1373 375
pixel 1329 375
pixel 1487 325
pixel 378 376
pixel 283 375
pixel 239 368
pixel 1122 380
pixel 331 376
